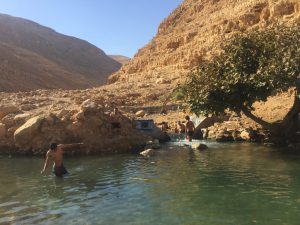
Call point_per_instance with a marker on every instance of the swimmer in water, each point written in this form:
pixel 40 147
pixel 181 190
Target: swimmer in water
pixel 55 153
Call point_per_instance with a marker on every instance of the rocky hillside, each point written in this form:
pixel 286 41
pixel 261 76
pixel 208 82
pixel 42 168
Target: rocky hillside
pixel 191 34
pixel 29 121
pixel 35 57
pixel 120 58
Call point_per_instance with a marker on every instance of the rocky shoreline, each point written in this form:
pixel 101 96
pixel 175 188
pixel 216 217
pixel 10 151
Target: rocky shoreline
pixel 30 132
pixel 30 121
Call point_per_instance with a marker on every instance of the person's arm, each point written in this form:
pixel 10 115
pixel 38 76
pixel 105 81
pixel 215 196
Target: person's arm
pixel 46 163
pixel 70 146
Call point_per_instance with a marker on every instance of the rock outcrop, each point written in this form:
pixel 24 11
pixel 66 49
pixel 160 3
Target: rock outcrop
pixel 191 34
pixel 34 57
pixel 63 121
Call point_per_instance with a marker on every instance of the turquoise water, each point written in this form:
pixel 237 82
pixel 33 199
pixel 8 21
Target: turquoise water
pixel 229 184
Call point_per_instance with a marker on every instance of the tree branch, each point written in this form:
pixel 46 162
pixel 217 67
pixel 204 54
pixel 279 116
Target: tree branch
pixel 256 119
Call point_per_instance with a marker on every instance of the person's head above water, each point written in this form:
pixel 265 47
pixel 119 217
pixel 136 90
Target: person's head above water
pixel 53 146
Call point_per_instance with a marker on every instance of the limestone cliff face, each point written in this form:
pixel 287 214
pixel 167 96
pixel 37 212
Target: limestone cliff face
pixel 195 30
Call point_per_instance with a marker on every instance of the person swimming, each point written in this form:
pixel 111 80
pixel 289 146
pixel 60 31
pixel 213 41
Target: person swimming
pixel 55 153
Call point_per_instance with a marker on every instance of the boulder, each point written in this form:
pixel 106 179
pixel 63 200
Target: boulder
pixel 21 118
pixel 24 134
pixel 2 131
pixel 200 147
pixel 140 113
pixel 8 120
pixel 148 152
pixel 245 135
pixel 88 105
pixel 5 110
pixel 155 144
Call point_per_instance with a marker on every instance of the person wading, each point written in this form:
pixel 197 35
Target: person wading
pixel 189 129
pixel 55 154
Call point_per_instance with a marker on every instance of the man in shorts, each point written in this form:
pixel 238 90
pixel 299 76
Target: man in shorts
pixel 55 154
pixel 189 129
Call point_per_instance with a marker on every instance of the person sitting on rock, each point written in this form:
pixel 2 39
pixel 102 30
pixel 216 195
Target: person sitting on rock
pixel 55 153
pixel 189 129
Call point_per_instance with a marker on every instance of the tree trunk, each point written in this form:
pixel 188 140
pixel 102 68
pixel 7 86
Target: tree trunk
pixel 289 123
pixel 256 119
pixel 284 132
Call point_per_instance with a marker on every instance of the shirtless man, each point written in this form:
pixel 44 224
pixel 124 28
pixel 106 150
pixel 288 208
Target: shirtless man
pixel 180 127
pixel 55 153
pixel 189 128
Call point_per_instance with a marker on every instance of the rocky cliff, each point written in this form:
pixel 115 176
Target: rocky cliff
pixel 191 34
pixel 33 57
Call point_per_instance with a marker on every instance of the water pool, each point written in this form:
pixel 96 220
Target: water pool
pixel 228 184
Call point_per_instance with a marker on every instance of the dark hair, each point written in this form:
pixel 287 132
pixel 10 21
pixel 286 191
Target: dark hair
pixel 53 146
pixel 187 117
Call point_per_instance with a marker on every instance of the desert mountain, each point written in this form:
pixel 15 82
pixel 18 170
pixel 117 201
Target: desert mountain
pixel 120 58
pixel 35 57
pixel 191 34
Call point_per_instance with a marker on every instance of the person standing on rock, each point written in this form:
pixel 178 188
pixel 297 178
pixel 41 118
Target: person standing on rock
pixel 55 153
pixel 189 129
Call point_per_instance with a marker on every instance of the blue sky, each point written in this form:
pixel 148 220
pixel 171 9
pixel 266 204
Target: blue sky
pixel 115 26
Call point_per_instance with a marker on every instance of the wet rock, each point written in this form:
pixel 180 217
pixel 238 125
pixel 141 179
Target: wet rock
pixel 148 152
pixel 155 144
pixel 200 147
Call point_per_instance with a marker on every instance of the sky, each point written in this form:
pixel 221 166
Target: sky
pixel 116 26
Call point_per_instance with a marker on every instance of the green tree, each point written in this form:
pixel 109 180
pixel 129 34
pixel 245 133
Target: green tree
pixel 251 67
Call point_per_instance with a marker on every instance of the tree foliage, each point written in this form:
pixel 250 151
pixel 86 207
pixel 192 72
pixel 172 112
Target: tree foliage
pixel 251 67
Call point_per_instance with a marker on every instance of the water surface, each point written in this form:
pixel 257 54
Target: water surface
pixel 229 184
